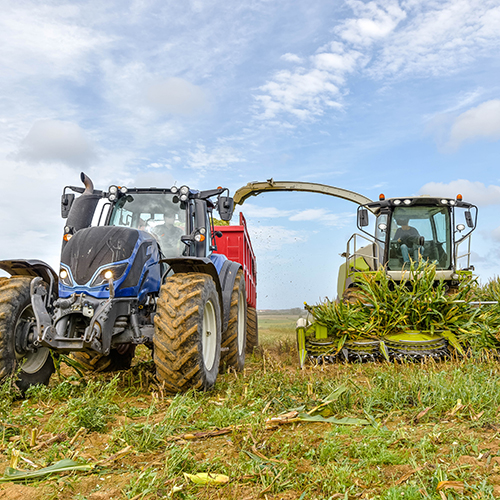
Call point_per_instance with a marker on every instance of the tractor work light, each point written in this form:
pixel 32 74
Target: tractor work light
pixel 407 202
pixel 113 189
pixel 174 189
pixel 108 274
pixel 183 197
pixel 112 197
pixel 444 202
pixel 397 202
pixel 203 230
pixel 452 202
pixel 123 190
pixel 184 190
pixel 65 277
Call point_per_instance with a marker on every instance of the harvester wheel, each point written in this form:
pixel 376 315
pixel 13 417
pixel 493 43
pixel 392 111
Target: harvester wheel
pixel 187 340
pixel 252 330
pixel 16 336
pixel 95 362
pixel 234 338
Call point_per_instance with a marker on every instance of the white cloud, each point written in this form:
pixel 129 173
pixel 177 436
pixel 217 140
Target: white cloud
pixel 217 159
pixel 257 212
pixel 153 178
pixel 374 21
pixel 439 37
pixel 176 96
pixel 322 215
pixel 292 58
pixel 473 192
pixel 302 93
pixel 44 40
pixel 56 141
pixel 383 40
pixel 483 121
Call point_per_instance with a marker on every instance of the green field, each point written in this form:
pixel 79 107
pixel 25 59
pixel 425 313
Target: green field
pixel 373 431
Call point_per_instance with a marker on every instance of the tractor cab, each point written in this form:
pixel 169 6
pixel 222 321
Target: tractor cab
pixel 411 230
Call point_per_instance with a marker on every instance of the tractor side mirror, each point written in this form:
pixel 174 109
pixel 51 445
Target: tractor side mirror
pixel 66 202
pixel 225 206
pixel 468 219
pixel 363 217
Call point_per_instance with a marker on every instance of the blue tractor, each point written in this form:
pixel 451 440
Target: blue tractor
pixel 137 267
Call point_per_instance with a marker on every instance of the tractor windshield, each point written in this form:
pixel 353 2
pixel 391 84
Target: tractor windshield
pixel 419 232
pixel 155 213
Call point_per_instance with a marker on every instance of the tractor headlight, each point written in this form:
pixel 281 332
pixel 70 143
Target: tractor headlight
pixel 111 272
pixel 65 277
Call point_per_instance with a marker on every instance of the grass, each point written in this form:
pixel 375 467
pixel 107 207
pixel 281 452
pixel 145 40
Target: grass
pixel 430 423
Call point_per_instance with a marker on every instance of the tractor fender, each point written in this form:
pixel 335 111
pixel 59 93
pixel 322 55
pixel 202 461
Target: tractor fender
pixel 196 265
pixel 32 268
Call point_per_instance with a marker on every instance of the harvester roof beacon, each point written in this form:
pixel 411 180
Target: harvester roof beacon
pixel 138 266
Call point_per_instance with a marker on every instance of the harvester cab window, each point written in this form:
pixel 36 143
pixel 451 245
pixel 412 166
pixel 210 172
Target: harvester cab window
pixel 420 232
pixel 156 214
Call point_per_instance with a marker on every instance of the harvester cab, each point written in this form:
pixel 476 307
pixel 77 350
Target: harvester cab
pixel 411 229
pixel 137 267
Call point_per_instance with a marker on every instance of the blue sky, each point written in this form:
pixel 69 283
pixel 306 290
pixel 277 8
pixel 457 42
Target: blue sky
pixel 382 96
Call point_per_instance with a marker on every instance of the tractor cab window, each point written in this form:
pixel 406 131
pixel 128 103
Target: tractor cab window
pixel 420 232
pixel 156 214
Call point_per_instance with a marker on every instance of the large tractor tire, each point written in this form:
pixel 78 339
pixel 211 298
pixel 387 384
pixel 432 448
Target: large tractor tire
pixel 187 340
pixel 118 359
pixel 234 338
pixel 252 330
pixel 16 336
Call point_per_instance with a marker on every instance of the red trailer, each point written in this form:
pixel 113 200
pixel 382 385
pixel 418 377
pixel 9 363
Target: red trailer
pixel 235 244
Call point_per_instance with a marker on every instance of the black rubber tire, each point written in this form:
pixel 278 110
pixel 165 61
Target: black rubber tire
pixel 186 301
pixel 252 330
pixel 16 311
pixel 234 338
pixel 95 362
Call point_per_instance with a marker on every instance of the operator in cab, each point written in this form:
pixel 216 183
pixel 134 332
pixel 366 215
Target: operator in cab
pixel 408 238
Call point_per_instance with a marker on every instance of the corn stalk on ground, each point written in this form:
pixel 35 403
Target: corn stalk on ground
pixel 414 318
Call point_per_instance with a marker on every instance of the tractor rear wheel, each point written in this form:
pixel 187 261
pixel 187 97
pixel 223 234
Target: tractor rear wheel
pixel 252 330
pixel 234 338
pixel 118 359
pixel 187 339
pixel 17 322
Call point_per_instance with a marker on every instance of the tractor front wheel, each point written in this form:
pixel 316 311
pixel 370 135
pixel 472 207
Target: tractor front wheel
pixel 187 340
pixel 17 322
pixel 234 338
